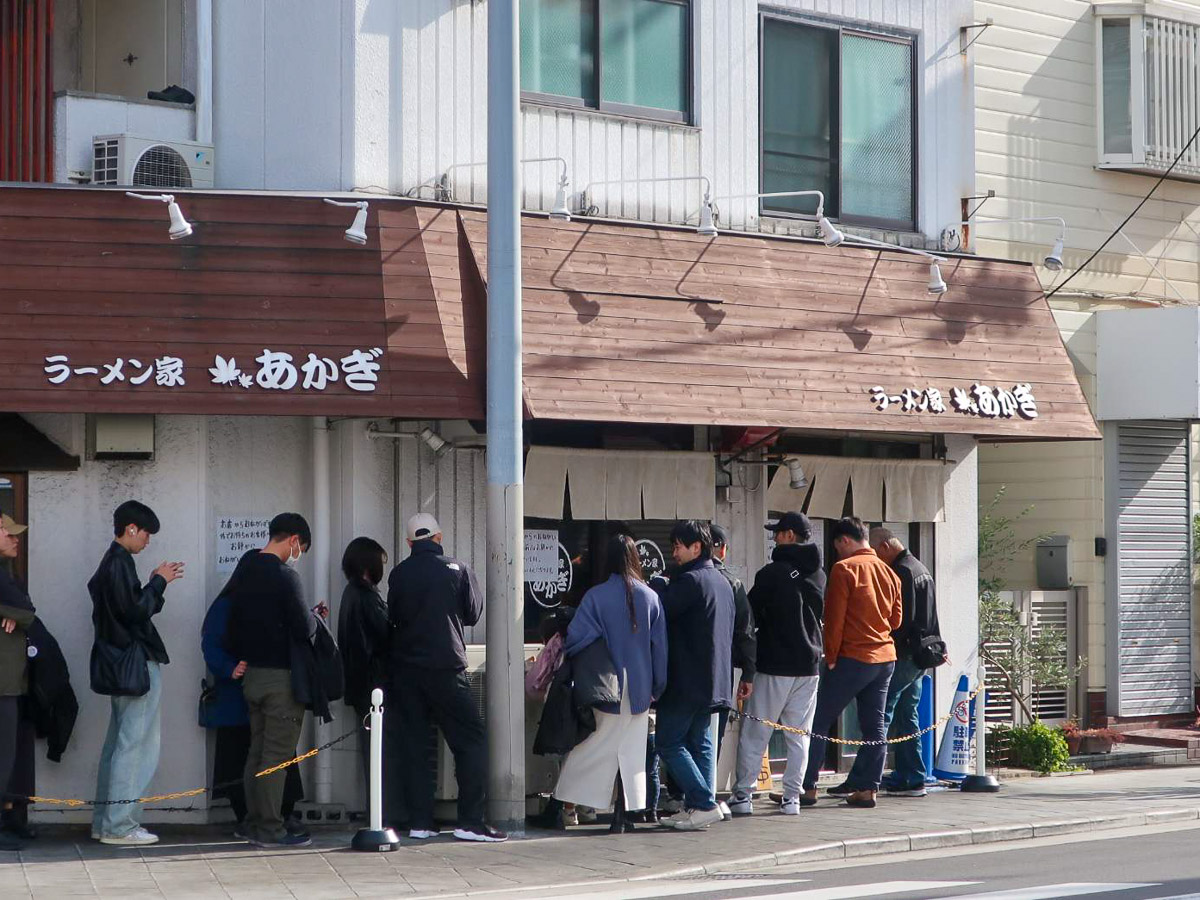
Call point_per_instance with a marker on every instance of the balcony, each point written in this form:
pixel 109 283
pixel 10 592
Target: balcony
pixel 80 116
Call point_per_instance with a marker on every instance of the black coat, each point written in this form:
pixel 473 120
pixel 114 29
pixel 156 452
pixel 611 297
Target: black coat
pixel 745 644
pixel 51 701
pixel 122 609
pixel 919 601
pixel 363 632
pixel 431 598
pixel 317 675
pixel 698 603
pixel 788 599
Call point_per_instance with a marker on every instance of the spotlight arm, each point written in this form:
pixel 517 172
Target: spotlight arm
pixel 858 239
pixel 161 198
pixel 352 204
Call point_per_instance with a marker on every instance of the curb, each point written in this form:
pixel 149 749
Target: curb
pixel 856 848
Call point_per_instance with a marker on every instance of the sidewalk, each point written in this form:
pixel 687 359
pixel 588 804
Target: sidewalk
pixel 202 864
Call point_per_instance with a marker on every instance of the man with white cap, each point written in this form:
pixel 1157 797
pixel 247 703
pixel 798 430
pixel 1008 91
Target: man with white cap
pixel 431 598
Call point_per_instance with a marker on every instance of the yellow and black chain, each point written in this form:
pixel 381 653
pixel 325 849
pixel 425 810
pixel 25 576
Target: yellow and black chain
pixel 736 714
pixel 180 795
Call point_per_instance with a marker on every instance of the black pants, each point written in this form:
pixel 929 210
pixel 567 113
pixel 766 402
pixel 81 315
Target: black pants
pixel 229 764
pixel 421 698
pixel 868 684
pixel 10 722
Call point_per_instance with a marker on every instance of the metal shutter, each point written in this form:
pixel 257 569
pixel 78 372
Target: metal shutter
pixel 1154 569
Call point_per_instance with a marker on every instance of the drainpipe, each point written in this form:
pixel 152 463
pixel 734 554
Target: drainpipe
pixel 204 71
pixel 323 551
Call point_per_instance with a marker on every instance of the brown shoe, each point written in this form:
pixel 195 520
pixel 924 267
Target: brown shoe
pixel 861 800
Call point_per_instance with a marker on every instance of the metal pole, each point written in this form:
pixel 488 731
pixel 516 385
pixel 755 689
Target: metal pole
pixel 375 838
pixel 322 536
pixel 981 781
pixel 505 498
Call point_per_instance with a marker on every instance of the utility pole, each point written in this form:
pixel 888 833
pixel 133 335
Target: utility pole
pixel 505 668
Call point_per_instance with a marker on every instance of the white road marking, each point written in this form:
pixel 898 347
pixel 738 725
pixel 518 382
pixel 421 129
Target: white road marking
pixel 1052 891
pixel 875 889
pixel 651 890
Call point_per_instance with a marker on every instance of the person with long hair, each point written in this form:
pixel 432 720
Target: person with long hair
pixel 626 615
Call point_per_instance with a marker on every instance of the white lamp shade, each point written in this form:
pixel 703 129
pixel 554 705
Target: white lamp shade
pixel 559 212
pixel 180 227
pixel 706 228
pixel 936 284
pixel 357 232
pixel 1053 261
pixel 829 235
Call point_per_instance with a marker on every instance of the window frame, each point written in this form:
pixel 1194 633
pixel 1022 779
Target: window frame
pixel 843 27
pixel 625 110
pixel 1137 90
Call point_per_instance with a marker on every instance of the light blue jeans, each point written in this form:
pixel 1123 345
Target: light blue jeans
pixel 129 758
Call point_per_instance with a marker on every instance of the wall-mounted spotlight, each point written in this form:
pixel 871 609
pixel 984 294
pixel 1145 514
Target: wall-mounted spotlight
pixel 830 236
pixel 1053 260
pixel 797 480
pixel 435 442
pixel 708 225
pixel 357 232
pixel 560 212
pixel 936 285
pixel 180 227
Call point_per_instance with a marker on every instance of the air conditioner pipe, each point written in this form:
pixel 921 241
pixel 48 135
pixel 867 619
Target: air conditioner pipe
pixel 375 838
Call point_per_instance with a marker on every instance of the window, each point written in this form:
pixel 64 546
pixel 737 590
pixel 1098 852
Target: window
pixel 631 57
pixel 1146 91
pixel 838 116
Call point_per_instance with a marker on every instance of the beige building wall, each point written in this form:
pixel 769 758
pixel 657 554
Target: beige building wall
pixel 1035 145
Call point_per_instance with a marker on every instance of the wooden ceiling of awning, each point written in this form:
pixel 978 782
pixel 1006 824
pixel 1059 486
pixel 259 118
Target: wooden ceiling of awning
pixel 91 275
pixel 642 324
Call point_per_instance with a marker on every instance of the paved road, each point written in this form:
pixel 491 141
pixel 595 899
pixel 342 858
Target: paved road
pixel 1147 865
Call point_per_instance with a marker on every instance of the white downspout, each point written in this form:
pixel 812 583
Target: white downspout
pixel 204 71
pixel 322 536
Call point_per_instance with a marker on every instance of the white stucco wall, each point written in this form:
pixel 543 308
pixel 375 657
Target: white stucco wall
pixel 378 95
pixel 204 468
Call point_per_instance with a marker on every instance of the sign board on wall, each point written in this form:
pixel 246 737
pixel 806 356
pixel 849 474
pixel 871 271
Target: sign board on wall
pixel 541 554
pixel 236 535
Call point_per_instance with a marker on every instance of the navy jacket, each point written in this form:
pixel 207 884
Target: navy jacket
pixel 431 598
pixel 698 603
pixel 228 706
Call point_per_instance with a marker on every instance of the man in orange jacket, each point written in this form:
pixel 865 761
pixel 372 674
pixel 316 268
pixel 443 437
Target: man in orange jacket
pixel 862 609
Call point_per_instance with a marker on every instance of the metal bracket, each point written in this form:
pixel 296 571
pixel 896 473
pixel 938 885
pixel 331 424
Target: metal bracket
pixel 982 198
pixel 965 31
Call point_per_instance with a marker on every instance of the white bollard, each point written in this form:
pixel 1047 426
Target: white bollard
pixel 981 781
pixel 375 838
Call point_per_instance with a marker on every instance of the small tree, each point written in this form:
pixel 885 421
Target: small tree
pixel 1023 658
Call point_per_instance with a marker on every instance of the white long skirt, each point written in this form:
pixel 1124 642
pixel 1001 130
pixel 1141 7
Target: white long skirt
pixel 617 745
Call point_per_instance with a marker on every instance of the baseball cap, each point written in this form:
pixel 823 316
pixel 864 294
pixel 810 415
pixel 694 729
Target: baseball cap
pixel 792 521
pixel 10 525
pixel 423 526
pixel 719 535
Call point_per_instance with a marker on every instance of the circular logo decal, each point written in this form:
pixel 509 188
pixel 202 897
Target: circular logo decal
pixel 652 559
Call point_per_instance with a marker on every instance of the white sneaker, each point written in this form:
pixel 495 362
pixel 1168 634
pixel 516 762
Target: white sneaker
pixel 586 815
pixel 726 815
pixel 669 821
pixel 422 834
pixel 698 819
pixel 139 837
pixel 741 804
pixel 790 806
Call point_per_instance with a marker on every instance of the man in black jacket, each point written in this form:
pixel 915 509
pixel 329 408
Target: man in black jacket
pixel 901 711
pixel 788 602
pixel 121 612
pixel 268 621
pixel 698 604
pixel 431 598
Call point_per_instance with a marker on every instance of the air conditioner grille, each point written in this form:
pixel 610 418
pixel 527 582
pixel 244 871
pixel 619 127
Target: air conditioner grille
pixel 105 155
pixel 162 166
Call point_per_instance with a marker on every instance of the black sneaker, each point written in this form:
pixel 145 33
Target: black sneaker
pixel 481 833
pixel 286 840
pixel 840 790
pixel 296 828
pixel 8 842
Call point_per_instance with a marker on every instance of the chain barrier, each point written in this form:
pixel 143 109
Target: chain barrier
pixel 737 714
pixel 180 795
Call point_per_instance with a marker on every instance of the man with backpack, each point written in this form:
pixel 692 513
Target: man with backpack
pixel 788 603
pixel 919 647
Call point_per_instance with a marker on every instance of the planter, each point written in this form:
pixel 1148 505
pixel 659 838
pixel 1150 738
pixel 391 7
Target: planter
pixel 1073 745
pixel 1089 745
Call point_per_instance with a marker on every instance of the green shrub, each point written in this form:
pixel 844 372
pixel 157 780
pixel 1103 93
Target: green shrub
pixel 1038 747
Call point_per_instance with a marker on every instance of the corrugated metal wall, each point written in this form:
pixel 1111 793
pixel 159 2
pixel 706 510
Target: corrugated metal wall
pixel 1153 599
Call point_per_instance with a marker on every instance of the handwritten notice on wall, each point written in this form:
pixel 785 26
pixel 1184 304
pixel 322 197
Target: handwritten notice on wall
pixel 541 554
pixel 236 535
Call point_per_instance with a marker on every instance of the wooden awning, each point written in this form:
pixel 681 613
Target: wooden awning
pixel 264 309
pixel 630 323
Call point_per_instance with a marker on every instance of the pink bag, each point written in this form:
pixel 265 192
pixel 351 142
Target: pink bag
pixel 539 676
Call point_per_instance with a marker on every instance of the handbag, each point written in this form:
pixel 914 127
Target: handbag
pixel 207 704
pixel 596 679
pixel 119 671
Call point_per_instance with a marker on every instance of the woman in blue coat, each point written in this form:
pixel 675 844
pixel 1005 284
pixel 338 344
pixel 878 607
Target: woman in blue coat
pixel 626 615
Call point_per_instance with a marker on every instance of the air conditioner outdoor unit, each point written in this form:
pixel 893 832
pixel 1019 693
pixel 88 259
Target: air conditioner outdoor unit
pixel 131 161
pixel 540 772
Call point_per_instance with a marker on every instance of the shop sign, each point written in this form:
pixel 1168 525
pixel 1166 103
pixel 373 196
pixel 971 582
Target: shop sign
pixel 651 557
pixel 541 554
pixel 275 371
pixel 236 535
pixel 979 400
pixel 550 579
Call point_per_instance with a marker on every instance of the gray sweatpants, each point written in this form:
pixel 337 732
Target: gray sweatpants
pixel 789 700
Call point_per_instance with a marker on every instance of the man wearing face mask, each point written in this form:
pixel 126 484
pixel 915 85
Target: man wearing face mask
pixel 267 616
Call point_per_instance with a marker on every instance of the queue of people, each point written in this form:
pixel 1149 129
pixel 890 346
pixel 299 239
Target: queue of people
pixel 635 675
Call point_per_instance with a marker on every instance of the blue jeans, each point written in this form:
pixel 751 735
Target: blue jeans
pixel 129 758
pixel 868 684
pixel 900 717
pixel 685 745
